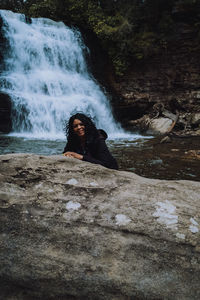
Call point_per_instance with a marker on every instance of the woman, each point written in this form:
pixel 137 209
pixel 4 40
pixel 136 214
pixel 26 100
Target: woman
pixel 87 143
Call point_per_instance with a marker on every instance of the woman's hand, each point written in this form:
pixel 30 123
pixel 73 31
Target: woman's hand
pixel 73 154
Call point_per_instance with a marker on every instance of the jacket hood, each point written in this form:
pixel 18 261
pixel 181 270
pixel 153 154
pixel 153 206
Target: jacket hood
pixel 103 134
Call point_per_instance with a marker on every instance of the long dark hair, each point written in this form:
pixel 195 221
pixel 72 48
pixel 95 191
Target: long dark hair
pixel 91 132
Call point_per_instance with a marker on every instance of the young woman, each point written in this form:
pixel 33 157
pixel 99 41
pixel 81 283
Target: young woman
pixel 87 143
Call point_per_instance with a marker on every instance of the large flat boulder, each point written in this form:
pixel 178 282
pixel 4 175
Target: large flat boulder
pixel 75 230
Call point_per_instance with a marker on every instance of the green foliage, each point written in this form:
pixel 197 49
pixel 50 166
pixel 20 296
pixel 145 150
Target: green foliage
pixel 36 8
pixel 14 5
pixel 127 29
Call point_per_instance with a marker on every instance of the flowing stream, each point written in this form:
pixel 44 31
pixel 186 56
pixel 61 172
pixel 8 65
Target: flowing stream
pixel 46 76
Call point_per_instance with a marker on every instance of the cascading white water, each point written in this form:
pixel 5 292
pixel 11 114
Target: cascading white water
pixel 47 79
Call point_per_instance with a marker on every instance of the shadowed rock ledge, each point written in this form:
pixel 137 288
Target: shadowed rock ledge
pixel 74 230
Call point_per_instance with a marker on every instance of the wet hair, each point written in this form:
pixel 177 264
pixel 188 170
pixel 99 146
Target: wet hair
pixel 91 132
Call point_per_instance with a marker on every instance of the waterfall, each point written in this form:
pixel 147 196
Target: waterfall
pixel 46 76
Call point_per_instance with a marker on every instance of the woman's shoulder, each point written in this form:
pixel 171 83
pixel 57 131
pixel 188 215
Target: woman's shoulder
pixel 102 134
pixel 98 140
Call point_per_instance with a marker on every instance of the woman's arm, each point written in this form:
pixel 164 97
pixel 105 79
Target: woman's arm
pixel 101 156
pixel 73 154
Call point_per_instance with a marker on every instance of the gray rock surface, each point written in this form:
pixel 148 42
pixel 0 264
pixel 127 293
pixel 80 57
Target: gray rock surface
pixel 195 119
pixel 160 125
pixel 74 230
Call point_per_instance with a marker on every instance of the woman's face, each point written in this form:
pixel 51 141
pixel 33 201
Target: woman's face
pixel 79 128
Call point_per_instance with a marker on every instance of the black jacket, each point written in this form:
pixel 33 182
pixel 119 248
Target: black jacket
pixel 96 153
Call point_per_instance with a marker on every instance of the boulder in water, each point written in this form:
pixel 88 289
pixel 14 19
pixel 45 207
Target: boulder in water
pixel 195 119
pixel 160 125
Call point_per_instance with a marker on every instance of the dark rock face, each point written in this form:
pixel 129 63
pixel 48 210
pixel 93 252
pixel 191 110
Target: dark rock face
pixel 74 230
pixel 171 79
pixel 5 101
pixel 5 113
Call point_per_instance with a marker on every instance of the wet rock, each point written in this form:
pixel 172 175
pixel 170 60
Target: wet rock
pixel 197 132
pixel 141 124
pixel 5 113
pixel 195 119
pixel 74 230
pixel 160 125
pixel 193 154
pixel 166 139
pixel 175 150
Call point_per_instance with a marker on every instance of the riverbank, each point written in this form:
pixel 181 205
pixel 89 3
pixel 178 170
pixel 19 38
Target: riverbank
pixel 173 159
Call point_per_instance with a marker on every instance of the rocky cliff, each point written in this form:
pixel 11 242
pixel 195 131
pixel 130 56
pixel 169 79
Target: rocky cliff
pixel 74 230
pixel 169 80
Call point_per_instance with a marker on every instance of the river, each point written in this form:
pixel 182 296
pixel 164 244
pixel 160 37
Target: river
pixel 143 156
